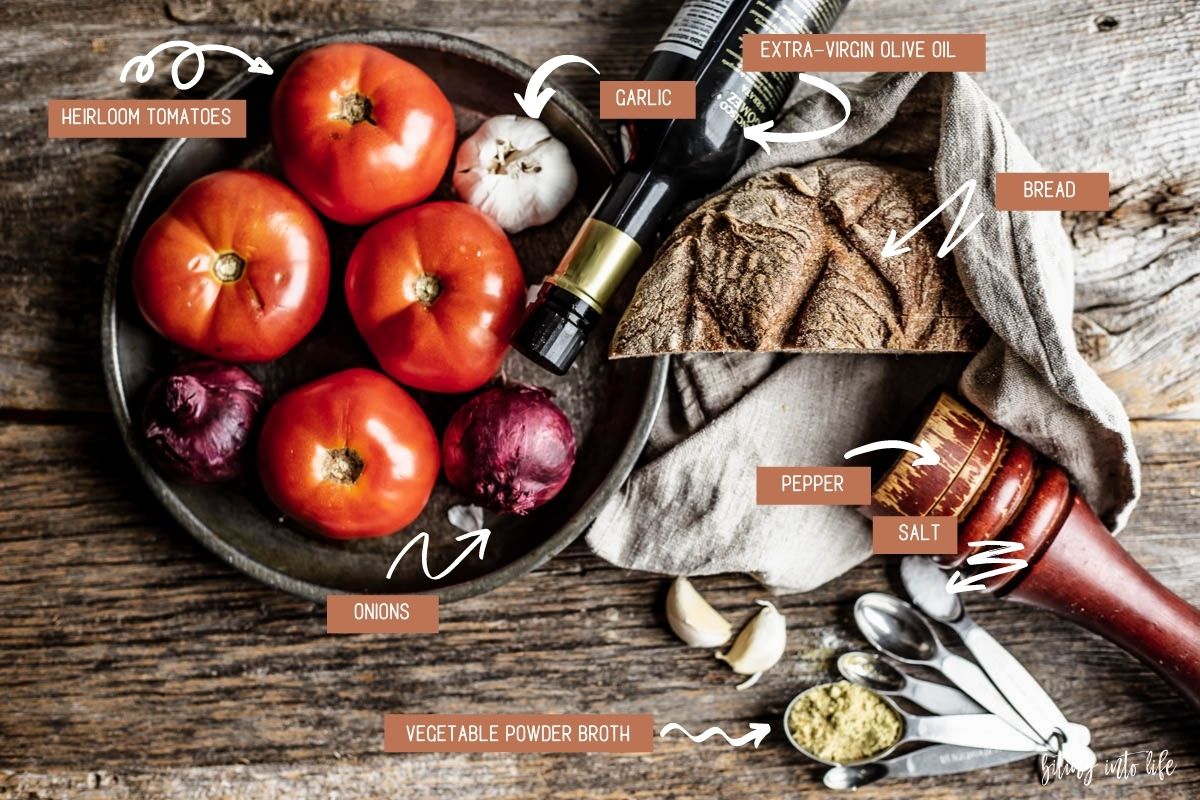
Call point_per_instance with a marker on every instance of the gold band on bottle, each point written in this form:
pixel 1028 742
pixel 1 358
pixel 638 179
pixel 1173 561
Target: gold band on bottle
pixel 596 262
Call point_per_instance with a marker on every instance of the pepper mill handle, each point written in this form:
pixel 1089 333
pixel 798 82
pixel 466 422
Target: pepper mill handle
pixel 1000 489
pixel 1084 575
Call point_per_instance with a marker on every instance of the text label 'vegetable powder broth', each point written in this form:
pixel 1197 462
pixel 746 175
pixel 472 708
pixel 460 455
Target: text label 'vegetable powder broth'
pixel 843 723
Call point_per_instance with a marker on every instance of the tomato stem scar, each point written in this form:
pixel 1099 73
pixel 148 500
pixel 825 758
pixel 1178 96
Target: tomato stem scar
pixel 357 108
pixel 228 267
pixel 342 466
pixel 427 288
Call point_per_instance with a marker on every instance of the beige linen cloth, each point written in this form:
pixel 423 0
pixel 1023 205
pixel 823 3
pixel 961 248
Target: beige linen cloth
pixel 691 508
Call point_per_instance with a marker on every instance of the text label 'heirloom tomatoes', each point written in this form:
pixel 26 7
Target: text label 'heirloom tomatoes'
pixel 237 268
pixel 437 292
pixel 350 455
pixel 360 132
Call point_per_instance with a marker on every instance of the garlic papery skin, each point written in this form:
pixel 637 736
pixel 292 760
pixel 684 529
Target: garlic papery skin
pixel 515 171
pixel 467 518
pixel 759 646
pixel 691 617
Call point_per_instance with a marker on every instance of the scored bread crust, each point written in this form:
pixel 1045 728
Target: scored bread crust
pixel 790 260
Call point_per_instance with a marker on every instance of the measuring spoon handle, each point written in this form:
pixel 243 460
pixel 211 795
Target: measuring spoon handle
pixel 972 680
pixel 949 759
pixel 1027 695
pixel 939 699
pixel 968 730
pixel 1016 683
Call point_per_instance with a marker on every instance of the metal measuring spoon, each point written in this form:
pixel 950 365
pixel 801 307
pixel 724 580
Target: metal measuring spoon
pixel 968 730
pixel 938 759
pixel 872 672
pixel 926 584
pixel 895 628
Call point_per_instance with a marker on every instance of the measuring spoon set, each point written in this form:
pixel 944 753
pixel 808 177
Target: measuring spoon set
pixel 995 712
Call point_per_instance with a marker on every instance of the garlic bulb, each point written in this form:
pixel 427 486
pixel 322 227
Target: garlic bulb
pixel 691 617
pixel 514 171
pixel 759 646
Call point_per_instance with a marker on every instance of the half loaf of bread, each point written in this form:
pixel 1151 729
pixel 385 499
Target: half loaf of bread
pixel 791 259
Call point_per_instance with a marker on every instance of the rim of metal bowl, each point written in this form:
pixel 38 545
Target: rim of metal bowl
pixel 575 525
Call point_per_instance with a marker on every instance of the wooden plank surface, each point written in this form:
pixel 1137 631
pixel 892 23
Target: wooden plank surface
pixel 134 656
pixel 133 664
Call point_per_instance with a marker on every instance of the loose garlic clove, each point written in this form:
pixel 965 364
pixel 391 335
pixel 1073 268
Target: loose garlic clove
pixel 693 619
pixel 467 518
pixel 759 646
pixel 515 171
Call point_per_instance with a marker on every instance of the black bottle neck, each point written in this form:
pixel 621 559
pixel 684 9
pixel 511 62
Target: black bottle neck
pixel 637 202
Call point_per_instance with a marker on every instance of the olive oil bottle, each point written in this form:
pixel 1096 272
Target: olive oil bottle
pixel 669 161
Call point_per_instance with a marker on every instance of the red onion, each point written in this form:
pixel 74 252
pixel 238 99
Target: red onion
pixel 198 418
pixel 509 449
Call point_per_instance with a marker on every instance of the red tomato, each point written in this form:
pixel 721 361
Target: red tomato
pixel 360 132
pixel 437 292
pixel 237 268
pixel 350 455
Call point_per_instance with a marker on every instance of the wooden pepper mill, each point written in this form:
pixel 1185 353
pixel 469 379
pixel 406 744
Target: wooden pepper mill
pixel 999 488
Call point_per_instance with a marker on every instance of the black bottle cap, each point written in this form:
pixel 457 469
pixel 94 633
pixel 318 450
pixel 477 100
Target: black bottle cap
pixel 555 328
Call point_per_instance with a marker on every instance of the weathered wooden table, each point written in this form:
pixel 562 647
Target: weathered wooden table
pixel 134 664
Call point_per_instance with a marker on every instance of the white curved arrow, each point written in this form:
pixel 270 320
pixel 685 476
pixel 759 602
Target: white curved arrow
pixel 478 539
pixel 536 97
pixel 145 63
pixel 987 556
pixel 928 457
pixel 758 732
pixel 761 133
pixel 893 246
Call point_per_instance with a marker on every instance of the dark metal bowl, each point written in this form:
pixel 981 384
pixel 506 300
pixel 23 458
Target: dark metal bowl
pixel 611 404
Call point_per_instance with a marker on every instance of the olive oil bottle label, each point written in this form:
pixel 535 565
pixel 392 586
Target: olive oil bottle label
pixel 693 26
pixel 758 96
